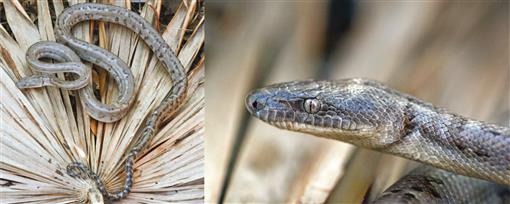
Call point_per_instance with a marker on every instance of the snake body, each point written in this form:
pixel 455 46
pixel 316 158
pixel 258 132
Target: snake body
pixel 70 62
pixel 431 185
pixel 369 114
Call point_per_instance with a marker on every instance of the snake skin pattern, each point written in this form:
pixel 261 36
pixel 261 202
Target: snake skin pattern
pixel 368 114
pixel 426 184
pixel 67 50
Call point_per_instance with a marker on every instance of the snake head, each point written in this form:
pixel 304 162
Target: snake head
pixel 357 111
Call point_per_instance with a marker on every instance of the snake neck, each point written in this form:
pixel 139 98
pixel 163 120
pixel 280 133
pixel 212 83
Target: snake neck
pixel 449 141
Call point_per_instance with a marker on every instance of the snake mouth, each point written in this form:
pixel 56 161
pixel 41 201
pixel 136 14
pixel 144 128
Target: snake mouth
pixel 304 121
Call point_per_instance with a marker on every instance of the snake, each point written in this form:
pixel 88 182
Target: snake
pixel 68 51
pixel 426 184
pixel 369 114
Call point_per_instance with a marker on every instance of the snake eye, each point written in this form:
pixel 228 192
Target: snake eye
pixel 312 105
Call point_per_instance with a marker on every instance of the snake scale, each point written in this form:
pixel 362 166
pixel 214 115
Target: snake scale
pixel 68 51
pixel 368 114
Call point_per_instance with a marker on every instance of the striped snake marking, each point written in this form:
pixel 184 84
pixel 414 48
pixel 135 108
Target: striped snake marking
pixel 369 114
pixel 68 52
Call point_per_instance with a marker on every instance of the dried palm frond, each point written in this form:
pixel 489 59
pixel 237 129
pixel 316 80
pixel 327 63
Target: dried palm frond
pixel 43 130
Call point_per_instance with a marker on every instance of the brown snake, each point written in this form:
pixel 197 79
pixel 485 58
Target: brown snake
pixel 70 62
pixel 368 114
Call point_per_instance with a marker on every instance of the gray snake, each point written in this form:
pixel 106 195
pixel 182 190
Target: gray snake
pixel 68 51
pixel 369 114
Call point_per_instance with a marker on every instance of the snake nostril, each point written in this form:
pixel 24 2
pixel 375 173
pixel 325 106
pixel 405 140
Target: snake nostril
pixel 255 102
pixel 257 105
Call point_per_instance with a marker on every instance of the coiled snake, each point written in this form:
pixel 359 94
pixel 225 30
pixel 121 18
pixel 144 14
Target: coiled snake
pixel 369 114
pixel 68 52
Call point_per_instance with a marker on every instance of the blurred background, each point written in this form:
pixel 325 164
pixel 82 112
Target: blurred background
pixel 455 55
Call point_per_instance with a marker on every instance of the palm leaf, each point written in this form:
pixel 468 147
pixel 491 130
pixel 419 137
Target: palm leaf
pixel 43 130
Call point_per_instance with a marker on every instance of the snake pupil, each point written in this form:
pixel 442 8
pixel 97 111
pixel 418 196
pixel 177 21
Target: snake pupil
pixel 312 105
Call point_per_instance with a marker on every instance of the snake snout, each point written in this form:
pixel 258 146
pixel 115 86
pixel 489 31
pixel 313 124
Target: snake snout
pixel 254 102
